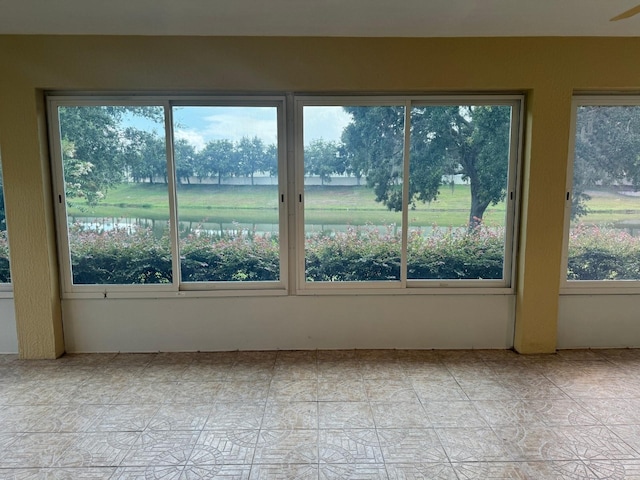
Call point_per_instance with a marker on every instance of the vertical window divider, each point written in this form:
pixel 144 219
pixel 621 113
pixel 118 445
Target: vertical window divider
pixel 173 201
pixel 405 193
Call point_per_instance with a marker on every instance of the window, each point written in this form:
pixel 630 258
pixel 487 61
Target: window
pixel 227 193
pixel 407 191
pixel 168 195
pixel 177 194
pixel 603 208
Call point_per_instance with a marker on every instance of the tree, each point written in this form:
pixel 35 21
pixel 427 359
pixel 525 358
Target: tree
pixel 471 141
pixel 145 155
pixel 251 157
pixel 373 145
pixel 216 158
pixel 607 151
pixel 185 160
pixel 93 146
pixel 323 159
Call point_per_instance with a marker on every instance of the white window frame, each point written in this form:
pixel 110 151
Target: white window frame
pixel 177 287
pixel 589 287
pixel 404 285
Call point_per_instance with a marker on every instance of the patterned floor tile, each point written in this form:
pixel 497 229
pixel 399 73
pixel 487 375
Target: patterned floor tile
pixel 120 418
pixel 429 389
pixel 345 415
pixel 195 392
pixel 421 471
pixel 453 414
pixel 400 415
pixel 349 446
pixel 284 472
pixel 161 448
pixel 411 446
pixel 473 445
pixel 360 415
pixel 35 450
pixel 293 391
pixel 244 391
pixel 389 391
pixel 352 472
pixel 58 474
pixel 229 447
pixel 345 390
pixel 290 415
pixel 180 417
pixel 287 446
pixel 234 415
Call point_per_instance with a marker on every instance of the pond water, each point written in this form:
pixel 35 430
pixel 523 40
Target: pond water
pixel 159 227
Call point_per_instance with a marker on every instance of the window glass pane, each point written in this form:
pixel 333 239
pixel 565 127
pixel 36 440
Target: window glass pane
pixel 115 177
pixel 604 238
pixel 226 161
pixel 459 162
pixel 5 272
pixel 353 167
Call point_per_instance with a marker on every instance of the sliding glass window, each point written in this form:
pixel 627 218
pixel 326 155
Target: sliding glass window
pixel 602 248
pixel 189 193
pixel 164 195
pixel 407 192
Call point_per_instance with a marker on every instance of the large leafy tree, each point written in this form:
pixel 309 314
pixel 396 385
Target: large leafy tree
pixel 145 155
pixel 251 157
pixel 322 158
pixel 607 151
pixel 215 159
pixel 472 141
pixel 93 146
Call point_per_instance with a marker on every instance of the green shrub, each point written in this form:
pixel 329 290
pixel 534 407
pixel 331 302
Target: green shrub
pixel 600 253
pixel 121 256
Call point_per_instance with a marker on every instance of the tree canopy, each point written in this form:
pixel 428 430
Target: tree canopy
pixel 471 141
pixel 607 151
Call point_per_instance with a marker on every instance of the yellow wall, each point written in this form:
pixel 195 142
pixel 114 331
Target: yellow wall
pixel 548 70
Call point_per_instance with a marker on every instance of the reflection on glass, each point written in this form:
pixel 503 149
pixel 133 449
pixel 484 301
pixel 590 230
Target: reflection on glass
pixel 226 161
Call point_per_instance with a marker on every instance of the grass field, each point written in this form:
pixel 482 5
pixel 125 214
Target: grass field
pixel 323 205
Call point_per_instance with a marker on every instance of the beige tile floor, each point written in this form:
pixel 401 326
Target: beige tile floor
pixel 359 415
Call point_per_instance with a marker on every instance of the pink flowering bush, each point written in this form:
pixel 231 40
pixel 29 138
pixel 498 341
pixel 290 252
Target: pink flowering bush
pixel 600 253
pixel 137 256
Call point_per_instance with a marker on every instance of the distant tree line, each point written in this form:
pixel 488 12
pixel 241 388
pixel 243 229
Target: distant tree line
pixel 469 141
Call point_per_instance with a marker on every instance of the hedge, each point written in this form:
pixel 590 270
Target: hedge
pixel 121 256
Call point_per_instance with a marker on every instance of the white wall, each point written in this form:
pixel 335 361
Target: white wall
pixel 293 322
pixel 8 335
pixel 599 321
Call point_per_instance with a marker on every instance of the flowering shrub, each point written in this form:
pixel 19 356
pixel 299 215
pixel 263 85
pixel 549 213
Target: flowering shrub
pixel 119 256
pixel 600 253
pixel 456 253
pixel 227 257
pixel 359 254
pixel 123 256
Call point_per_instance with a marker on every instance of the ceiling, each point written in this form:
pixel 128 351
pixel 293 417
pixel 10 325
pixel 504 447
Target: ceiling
pixel 354 18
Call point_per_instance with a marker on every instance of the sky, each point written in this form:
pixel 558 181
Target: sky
pixel 200 125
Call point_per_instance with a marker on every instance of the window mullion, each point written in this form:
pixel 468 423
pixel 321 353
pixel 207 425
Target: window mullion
pixel 405 193
pixel 173 206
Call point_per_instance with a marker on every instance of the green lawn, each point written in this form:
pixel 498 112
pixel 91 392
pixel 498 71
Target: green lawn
pixel 323 205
